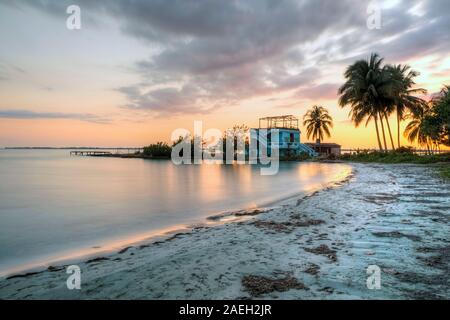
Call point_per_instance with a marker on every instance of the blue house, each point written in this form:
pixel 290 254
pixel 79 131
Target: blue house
pixel 289 134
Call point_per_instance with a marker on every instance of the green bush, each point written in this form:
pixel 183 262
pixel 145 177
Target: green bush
pixel 303 156
pixel 445 172
pixel 158 150
pixel 408 150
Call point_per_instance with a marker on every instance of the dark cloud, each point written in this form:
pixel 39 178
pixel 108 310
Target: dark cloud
pixel 403 35
pixel 214 53
pixel 165 100
pixel 28 114
pixel 326 91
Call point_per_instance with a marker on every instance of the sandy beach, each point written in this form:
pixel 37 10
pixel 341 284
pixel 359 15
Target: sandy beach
pixel 315 247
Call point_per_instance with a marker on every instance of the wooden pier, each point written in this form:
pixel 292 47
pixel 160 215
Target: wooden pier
pixel 116 152
pixel 90 153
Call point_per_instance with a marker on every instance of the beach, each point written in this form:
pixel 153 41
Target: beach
pixel 318 246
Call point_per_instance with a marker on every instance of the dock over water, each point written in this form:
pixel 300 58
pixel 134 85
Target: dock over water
pixel 106 152
pixel 90 153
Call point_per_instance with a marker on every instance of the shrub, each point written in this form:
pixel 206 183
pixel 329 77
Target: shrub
pixel 404 150
pixel 303 156
pixel 396 157
pixel 331 156
pixel 445 172
pixel 158 150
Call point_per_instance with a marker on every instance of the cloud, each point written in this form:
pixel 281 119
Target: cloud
pixel 28 114
pixel 216 53
pixel 326 91
pixel 165 101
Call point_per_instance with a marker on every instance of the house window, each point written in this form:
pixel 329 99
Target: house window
pixel 292 138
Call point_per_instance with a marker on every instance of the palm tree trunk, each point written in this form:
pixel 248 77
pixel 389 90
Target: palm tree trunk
pixel 382 131
pixel 398 130
pixel 378 133
pixel 390 132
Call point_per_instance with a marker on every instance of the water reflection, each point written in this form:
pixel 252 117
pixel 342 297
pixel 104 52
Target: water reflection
pixel 51 203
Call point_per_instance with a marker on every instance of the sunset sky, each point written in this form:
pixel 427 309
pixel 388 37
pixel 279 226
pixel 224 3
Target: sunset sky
pixel 137 70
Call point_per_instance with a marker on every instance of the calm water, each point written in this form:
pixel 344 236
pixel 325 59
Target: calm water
pixel 53 205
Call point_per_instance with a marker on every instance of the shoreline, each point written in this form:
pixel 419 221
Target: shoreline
pixel 107 249
pixel 317 246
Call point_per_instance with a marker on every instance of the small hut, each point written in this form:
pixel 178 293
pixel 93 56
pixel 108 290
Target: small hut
pixel 325 148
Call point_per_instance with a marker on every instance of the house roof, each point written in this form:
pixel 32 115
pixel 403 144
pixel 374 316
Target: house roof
pixel 282 122
pixel 281 118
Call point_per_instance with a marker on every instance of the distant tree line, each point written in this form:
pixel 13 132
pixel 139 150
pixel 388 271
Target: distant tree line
pixel 158 150
pixel 238 134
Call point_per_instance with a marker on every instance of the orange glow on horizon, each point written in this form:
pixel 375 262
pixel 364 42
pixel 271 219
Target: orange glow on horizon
pixel 134 129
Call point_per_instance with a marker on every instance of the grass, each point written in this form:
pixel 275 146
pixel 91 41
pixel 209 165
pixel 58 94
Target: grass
pixel 397 157
pixel 445 172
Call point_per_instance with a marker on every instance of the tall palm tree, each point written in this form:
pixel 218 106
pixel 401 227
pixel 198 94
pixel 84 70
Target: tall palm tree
pixel 318 123
pixel 404 99
pixel 385 112
pixel 367 90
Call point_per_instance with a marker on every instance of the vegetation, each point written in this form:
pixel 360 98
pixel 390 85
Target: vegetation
pixel 430 124
pixel 239 134
pixel 302 156
pixel 402 156
pixel 441 161
pixel 404 100
pixel 318 123
pixel 442 115
pixel 374 91
pixel 158 150
pixel 445 172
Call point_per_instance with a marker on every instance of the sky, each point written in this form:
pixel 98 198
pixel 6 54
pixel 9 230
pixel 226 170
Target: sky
pixel 137 70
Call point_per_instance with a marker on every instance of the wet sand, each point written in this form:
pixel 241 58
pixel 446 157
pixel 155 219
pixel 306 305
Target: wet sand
pixel 315 247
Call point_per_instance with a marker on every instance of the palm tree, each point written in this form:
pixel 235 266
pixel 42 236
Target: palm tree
pixel 443 95
pixel 388 109
pixel 404 99
pixel 416 128
pixel 318 123
pixel 367 91
pixel 443 113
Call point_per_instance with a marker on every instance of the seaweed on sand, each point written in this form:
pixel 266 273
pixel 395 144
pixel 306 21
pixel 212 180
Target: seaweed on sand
pixel 259 285
pixel 287 226
pixel 313 269
pixel 323 250
pixel 396 234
